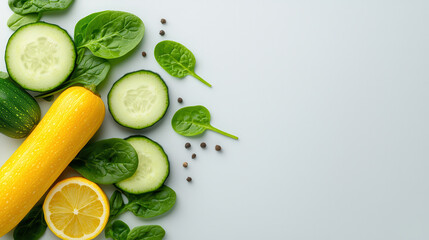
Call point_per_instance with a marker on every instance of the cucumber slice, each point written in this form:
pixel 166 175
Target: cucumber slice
pixel 138 100
pixel 40 56
pixel 153 168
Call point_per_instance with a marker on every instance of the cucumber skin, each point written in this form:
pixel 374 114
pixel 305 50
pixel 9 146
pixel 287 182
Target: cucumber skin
pixel 25 26
pixel 168 165
pixel 127 126
pixel 19 111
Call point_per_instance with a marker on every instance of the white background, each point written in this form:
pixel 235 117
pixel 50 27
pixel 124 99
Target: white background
pixel 329 99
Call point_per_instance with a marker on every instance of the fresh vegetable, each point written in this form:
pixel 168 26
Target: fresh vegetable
pixel 76 208
pixel 151 204
pixel 176 59
pixel 146 205
pixel 19 112
pixel 109 34
pixel 32 227
pixel 153 168
pixel 80 29
pixel 117 230
pixel 139 99
pixel 107 161
pixel 65 129
pixel 16 20
pixel 89 71
pixel 116 204
pixel 147 232
pixel 191 121
pixel 37 6
pixel 40 56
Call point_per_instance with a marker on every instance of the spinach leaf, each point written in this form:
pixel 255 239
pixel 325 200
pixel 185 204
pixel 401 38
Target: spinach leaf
pixel 176 59
pixel 191 121
pixel 109 34
pixel 107 161
pixel 4 75
pixel 16 20
pixel 90 71
pixel 151 204
pixel 80 28
pixel 148 232
pixel 37 6
pixel 116 203
pixel 32 227
pixel 117 230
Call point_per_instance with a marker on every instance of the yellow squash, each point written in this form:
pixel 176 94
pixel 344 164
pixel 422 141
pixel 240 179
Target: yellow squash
pixel 65 129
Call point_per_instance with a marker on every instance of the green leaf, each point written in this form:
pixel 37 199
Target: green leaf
pixel 90 71
pixel 107 161
pixel 80 28
pixel 36 6
pixel 16 20
pixel 151 204
pixel 109 34
pixel 176 59
pixel 116 204
pixel 148 232
pixel 191 121
pixel 117 230
pixel 32 227
pixel 4 75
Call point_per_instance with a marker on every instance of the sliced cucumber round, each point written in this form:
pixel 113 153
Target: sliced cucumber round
pixel 139 99
pixel 40 56
pixel 153 168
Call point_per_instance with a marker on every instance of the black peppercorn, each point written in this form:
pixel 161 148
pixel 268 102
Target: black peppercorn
pixel 180 100
pixel 162 32
pixel 203 145
pixel 218 148
pixel 188 179
pixel 185 164
pixel 194 156
pixel 163 21
pixel 144 54
pixel 187 145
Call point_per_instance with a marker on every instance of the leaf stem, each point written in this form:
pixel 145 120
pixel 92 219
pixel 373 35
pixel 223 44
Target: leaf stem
pixel 223 133
pixel 199 78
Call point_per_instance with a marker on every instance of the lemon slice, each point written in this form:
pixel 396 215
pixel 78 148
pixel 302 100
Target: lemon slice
pixel 76 208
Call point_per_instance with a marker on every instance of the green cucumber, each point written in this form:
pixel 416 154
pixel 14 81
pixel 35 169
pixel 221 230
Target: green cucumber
pixel 138 100
pixel 40 56
pixel 153 168
pixel 19 112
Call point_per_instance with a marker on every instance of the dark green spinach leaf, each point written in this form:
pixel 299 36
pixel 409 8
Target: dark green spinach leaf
pixel 80 28
pixel 90 71
pixel 36 6
pixel 176 59
pixel 117 230
pixel 107 161
pixel 16 20
pixel 148 232
pixel 151 204
pixel 32 227
pixel 116 203
pixel 109 34
pixel 191 121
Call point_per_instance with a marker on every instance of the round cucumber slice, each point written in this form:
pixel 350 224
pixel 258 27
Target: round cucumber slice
pixel 153 168
pixel 138 100
pixel 40 56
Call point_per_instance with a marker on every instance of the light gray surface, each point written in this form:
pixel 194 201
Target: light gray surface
pixel 329 99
